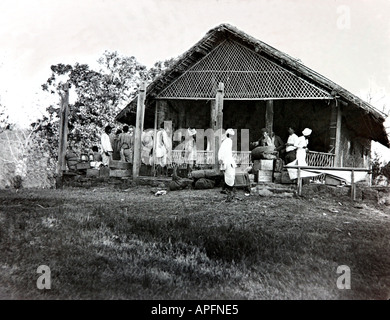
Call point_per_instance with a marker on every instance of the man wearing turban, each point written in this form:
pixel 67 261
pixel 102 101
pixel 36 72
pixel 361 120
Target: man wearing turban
pixel 227 163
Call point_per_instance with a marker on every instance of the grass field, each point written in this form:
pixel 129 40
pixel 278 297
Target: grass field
pixel 191 244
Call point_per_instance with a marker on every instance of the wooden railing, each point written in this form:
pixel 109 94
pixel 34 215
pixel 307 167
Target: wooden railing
pixel 320 159
pixel 313 158
pixel 242 158
pixel 351 171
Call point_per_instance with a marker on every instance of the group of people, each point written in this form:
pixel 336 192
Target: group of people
pixel 164 149
pixel 297 147
pixel 291 152
pixel 118 146
pixel 269 141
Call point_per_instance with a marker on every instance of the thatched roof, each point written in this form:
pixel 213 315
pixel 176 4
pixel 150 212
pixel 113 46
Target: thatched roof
pixel 217 35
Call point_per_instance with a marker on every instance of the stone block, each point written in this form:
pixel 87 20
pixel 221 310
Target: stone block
pixel 83 165
pixel 264 176
pixel 104 172
pixel 117 164
pixel 332 181
pixel 121 173
pixel 92 173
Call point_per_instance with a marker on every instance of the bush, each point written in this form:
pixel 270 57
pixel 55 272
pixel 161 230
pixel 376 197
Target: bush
pixel 386 170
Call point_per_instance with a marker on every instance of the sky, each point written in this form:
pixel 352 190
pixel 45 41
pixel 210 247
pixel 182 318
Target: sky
pixel 347 41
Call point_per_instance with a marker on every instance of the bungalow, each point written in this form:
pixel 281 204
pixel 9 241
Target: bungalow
pixel 258 87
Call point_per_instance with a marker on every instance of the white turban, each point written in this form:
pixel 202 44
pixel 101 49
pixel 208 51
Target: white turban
pixel 306 132
pixel 230 132
pixel 191 132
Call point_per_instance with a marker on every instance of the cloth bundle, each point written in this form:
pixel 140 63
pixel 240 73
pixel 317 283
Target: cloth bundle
pixel 204 183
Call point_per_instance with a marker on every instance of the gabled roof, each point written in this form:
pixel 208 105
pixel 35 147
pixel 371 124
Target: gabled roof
pixel 220 34
pixel 245 74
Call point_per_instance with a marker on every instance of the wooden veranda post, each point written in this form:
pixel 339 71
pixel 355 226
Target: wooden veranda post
pixel 269 116
pixel 154 138
pixel 353 185
pixel 139 128
pixel 218 123
pixel 337 149
pixel 335 132
pixel 63 133
pixel 299 182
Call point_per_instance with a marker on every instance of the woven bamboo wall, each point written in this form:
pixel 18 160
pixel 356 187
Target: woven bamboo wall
pixel 245 74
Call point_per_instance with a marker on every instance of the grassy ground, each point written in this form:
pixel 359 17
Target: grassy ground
pixel 190 244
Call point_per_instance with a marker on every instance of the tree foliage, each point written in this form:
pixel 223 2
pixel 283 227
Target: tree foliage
pixel 29 156
pixel 100 95
pixel 158 68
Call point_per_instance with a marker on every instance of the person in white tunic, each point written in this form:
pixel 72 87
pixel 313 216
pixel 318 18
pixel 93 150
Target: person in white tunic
pixel 162 145
pixel 291 146
pixel 301 145
pixel 227 163
pixel 147 138
pixel 106 146
pixel 190 149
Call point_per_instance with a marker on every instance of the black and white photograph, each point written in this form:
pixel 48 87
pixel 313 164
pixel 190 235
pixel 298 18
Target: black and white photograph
pixel 191 156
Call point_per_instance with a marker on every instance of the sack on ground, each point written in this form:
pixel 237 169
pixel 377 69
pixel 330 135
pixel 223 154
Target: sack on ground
pixel 204 183
pixel 177 185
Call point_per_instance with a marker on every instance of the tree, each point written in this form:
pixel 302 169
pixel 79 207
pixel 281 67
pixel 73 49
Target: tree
pixel 100 96
pixel 32 154
pixel 158 68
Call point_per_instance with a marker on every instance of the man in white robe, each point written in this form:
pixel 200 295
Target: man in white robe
pixel 190 149
pixel 106 146
pixel 301 145
pixel 227 163
pixel 147 138
pixel 162 148
pixel 291 146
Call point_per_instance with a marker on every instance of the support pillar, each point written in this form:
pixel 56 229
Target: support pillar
pixel 335 132
pixel 213 115
pixel 162 110
pixel 156 123
pixel 139 128
pixel 63 134
pixel 269 116
pixel 218 123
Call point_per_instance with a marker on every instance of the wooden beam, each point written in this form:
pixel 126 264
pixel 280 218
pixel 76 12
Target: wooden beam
pixel 328 168
pixel 299 182
pixel 337 148
pixel 332 127
pixel 269 116
pixel 161 112
pixel 138 130
pixel 219 123
pixel 168 126
pixel 219 105
pixel 63 134
pixel 213 115
pixel 154 137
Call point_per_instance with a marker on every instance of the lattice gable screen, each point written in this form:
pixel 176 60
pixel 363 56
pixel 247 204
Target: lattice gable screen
pixel 245 74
